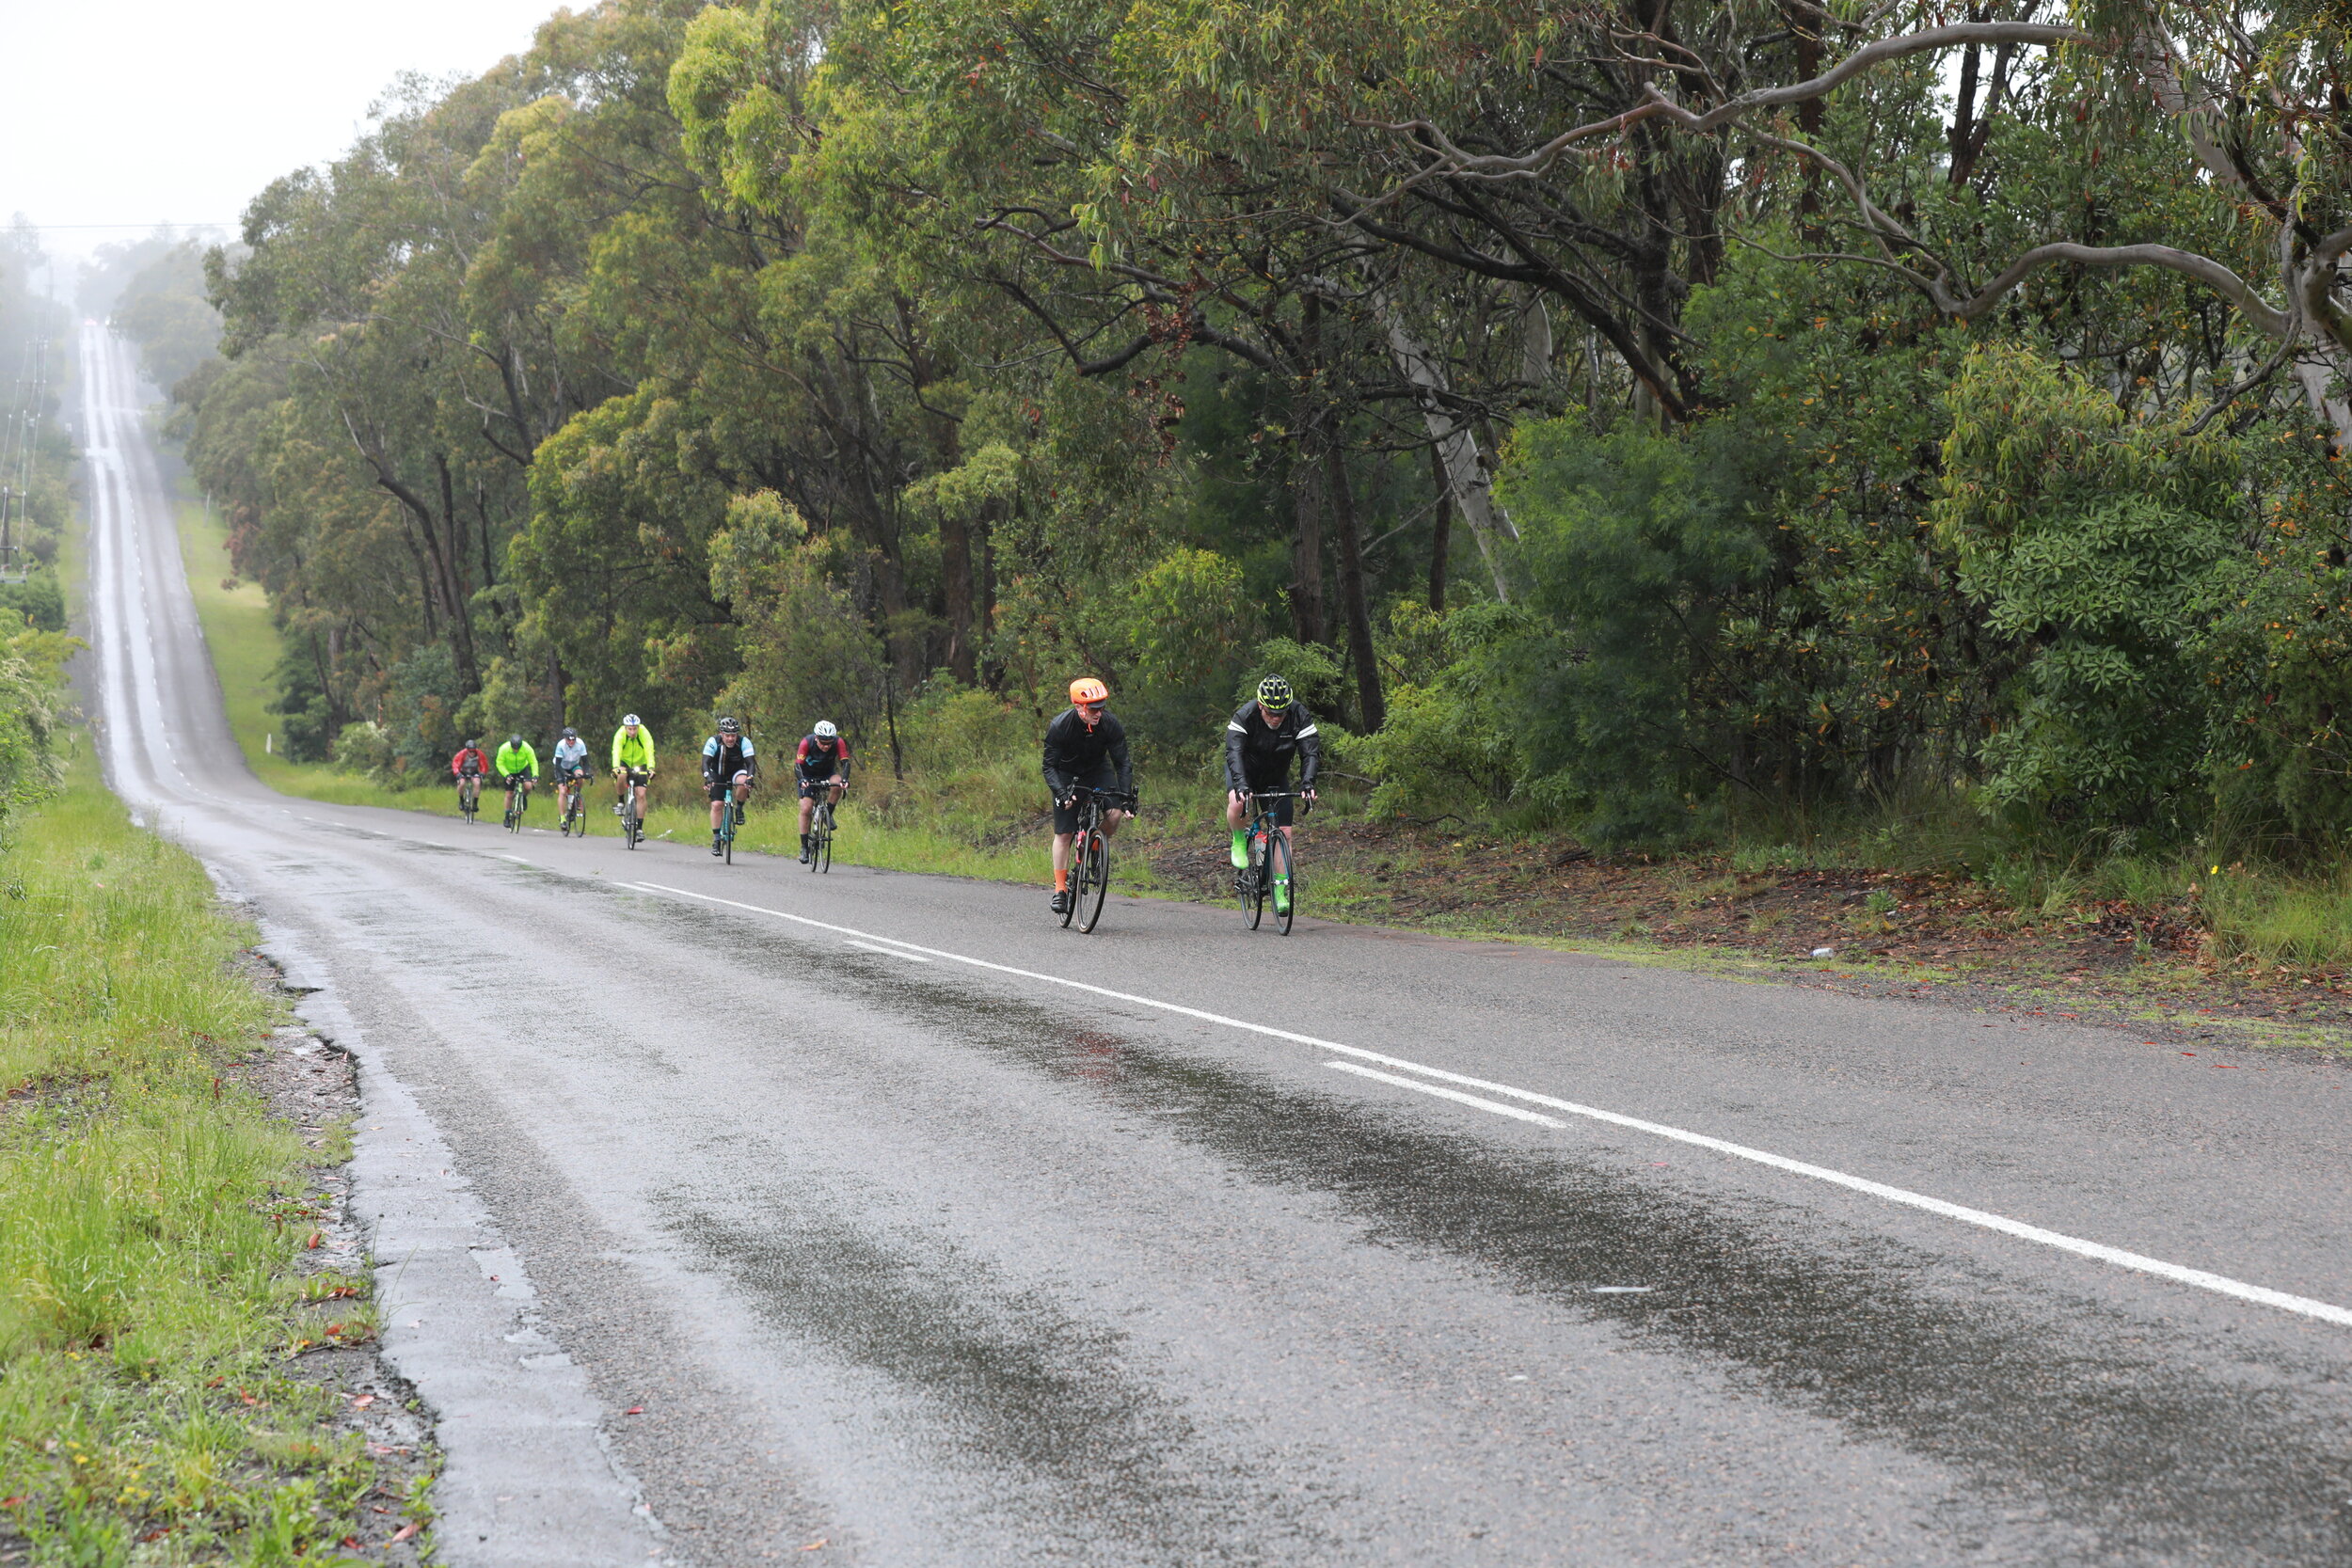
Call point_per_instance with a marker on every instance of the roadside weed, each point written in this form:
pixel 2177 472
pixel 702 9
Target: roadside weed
pixel 147 1300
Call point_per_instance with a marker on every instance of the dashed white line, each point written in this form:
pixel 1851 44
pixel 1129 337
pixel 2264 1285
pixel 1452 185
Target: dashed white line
pixel 2202 1279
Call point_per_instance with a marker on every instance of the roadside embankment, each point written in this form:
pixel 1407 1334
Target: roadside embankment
pixel 186 1332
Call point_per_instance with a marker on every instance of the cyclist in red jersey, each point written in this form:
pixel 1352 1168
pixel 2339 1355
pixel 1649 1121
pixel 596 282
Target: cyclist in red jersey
pixel 823 765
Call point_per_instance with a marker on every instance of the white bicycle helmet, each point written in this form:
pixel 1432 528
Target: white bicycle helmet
pixel 825 730
pixel 628 722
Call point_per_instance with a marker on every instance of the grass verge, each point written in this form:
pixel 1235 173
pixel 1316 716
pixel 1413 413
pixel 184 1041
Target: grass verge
pixel 152 1407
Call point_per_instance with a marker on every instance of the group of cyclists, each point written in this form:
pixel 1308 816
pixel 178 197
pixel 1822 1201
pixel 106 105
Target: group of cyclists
pixel 1086 749
pixel 730 770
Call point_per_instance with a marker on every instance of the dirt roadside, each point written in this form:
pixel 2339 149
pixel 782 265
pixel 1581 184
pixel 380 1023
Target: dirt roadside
pixel 1928 939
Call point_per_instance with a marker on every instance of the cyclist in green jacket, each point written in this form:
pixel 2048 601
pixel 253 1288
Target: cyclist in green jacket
pixel 632 763
pixel 518 766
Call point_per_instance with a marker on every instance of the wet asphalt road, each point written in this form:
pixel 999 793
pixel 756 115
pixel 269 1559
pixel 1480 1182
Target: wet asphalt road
pixel 942 1263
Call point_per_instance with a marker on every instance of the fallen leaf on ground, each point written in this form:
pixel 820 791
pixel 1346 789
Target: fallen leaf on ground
pixel 634 1410
pixel 407 1530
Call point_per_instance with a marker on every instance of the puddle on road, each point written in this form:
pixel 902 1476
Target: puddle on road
pixel 2036 1395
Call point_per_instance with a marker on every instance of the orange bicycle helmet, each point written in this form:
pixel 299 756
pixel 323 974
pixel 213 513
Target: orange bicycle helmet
pixel 1085 689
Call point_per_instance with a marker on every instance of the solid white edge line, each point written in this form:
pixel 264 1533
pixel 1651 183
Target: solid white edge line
pixel 876 947
pixel 1443 1093
pixel 2139 1262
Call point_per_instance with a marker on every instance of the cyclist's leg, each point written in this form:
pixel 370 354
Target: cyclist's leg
pixel 1065 827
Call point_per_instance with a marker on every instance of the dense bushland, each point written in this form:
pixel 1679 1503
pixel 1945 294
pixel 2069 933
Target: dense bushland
pixel 1612 425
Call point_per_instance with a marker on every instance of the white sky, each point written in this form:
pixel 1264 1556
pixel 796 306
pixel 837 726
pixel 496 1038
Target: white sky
pixel 138 112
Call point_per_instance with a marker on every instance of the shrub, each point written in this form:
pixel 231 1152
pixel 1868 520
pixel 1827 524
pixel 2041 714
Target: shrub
pixel 364 748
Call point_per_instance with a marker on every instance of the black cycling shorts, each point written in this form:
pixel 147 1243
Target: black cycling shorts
pixel 719 788
pixel 1066 817
pixel 510 780
pixel 809 786
pixel 638 778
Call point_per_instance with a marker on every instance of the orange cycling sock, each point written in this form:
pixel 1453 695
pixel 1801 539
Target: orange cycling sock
pixel 1061 882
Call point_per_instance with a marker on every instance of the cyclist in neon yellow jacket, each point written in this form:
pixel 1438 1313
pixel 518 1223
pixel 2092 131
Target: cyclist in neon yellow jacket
pixel 518 767
pixel 632 763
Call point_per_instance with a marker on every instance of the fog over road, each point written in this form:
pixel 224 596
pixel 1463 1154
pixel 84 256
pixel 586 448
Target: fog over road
pixel 901 1242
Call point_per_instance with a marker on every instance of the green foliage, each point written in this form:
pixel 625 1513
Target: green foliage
pixel 38 599
pixel 1449 748
pixel 2101 547
pixel 1639 549
pixel 363 747
pixel 31 673
pixel 148 1299
pixel 807 653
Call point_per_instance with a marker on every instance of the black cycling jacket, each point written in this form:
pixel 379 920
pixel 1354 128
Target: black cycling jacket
pixel 1074 753
pixel 1259 753
pixel 720 761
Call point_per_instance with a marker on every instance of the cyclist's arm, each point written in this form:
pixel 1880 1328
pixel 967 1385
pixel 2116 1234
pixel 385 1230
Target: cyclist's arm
pixel 1121 759
pixel 710 760
pixel 841 761
pixel 1309 755
pixel 1058 776
pixel 1235 779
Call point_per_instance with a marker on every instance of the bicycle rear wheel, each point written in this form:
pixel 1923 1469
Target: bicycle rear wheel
pixel 630 827
pixel 1098 883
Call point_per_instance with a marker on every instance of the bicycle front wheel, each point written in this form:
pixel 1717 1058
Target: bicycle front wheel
pixel 1280 885
pixel 1253 882
pixel 822 859
pixel 1097 886
pixel 1077 886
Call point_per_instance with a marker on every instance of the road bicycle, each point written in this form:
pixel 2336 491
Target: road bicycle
pixel 470 796
pixel 520 799
pixel 1269 863
pixel 1090 856
pixel 575 811
pixel 633 825
pixel 821 833
pixel 729 820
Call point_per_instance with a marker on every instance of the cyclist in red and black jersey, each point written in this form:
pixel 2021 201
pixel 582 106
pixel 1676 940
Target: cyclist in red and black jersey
pixel 470 762
pixel 822 765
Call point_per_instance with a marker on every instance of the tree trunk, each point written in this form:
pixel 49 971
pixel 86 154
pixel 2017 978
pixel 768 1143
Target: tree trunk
pixel 1370 710
pixel 1441 530
pixel 1307 547
pixel 955 562
pixel 1456 445
pixel 555 678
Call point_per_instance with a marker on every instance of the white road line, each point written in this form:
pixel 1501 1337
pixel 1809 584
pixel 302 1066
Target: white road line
pixel 872 947
pixel 516 859
pixel 1443 1093
pixel 2260 1296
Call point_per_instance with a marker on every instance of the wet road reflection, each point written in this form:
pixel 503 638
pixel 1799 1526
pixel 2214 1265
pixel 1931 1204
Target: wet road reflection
pixel 2149 1449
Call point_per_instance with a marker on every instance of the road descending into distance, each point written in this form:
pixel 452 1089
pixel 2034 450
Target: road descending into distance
pixel 877 1211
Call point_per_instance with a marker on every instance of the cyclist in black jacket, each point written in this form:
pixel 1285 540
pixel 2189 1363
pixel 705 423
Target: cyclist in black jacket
pixel 1260 741
pixel 1083 745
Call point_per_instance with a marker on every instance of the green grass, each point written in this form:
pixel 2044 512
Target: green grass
pixel 149 1307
